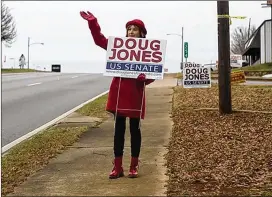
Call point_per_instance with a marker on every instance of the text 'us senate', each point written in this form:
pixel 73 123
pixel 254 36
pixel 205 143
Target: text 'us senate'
pixel 136 50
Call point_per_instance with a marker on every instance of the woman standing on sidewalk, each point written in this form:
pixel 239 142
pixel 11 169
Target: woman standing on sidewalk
pixel 130 99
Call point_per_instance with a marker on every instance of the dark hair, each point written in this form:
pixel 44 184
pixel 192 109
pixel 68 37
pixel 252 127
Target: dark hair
pixel 141 32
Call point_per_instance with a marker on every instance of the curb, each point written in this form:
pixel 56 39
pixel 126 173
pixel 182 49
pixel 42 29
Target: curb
pixel 45 126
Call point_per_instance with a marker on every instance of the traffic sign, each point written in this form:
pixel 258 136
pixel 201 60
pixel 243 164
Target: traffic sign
pixel 56 68
pixel 186 49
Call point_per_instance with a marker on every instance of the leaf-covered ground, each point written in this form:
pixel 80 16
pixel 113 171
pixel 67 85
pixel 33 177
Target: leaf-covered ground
pixel 32 155
pixel 257 98
pixel 212 154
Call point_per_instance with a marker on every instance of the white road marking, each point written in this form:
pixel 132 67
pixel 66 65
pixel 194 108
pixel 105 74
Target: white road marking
pixel 33 84
pixel 74 77
pixel 43 127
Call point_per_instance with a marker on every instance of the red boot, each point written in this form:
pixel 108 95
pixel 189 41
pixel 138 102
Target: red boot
pixel 117 170
pixel 133 171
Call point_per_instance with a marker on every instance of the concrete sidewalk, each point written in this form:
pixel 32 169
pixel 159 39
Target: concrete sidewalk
pixel 83 169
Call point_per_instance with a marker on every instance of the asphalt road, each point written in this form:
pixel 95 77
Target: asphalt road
pixel 30 100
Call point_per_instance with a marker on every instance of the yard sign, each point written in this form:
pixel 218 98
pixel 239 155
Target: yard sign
pixel 196 76
pixel 128 57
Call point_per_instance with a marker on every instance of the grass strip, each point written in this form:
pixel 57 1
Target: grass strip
pixel 95 108
pixel 31 155
pixel 17 70
pixel 259 67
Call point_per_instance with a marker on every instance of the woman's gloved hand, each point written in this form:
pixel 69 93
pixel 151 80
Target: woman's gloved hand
pixel 87 16
pixel 141 77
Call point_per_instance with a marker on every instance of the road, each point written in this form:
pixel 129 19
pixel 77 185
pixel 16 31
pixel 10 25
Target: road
pixel 30 100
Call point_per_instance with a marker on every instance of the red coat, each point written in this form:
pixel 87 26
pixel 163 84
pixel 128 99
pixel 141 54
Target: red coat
pixel 131 93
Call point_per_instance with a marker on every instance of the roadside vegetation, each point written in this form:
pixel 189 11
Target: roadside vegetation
pixel 259 67
pixel 97 108
pixel 29 156
pixel 17 70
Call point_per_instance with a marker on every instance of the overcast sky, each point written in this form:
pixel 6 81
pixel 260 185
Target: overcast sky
pixel 68 40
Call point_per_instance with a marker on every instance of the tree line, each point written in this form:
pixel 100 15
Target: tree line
pixel 239 37
pixel 8 26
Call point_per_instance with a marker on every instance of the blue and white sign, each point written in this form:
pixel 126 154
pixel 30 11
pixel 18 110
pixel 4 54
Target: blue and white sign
pixel 128 57
pixel 196 76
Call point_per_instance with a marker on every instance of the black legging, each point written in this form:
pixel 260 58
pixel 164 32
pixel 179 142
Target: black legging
pixel 119 136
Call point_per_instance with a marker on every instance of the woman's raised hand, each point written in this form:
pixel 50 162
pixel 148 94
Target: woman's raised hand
pixel 87 16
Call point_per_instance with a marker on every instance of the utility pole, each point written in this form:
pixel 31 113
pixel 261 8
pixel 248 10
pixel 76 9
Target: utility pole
pixel 182 43
pixel 28 45
pixel 224 70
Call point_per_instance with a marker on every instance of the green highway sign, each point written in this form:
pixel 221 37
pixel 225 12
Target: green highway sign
pixel 186 49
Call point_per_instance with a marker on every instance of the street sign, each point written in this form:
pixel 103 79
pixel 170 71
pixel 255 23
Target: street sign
pixel 56 68
pixel 186 49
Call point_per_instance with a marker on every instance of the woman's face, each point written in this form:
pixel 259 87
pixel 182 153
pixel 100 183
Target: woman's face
pixel 133 31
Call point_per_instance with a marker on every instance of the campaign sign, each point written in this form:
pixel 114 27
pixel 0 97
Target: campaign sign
pixel 238 76
pixel 128 57
pixel 196 76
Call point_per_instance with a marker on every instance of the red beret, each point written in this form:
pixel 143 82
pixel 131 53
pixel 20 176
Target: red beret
pixel 139 24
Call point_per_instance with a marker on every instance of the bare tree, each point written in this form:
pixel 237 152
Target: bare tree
pixel 8 26
pixel 239 38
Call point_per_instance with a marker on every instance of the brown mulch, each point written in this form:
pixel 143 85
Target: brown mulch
pixel 243 98
pixel 213 154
